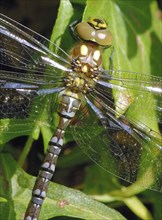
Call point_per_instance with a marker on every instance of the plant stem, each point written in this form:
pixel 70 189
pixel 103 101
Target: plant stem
pixel 25 151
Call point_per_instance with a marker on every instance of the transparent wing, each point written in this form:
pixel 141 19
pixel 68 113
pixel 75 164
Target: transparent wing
pixel 28 67
pixel 143 91
pixel 30 73
pixel 27 50
pixel 123 136
pixel 131 80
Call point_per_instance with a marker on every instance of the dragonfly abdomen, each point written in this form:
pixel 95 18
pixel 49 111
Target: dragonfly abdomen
pixel 68 105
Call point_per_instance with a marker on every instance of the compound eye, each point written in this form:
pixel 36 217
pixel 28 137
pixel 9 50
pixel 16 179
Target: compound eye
pixel 84 31
pixel 103 37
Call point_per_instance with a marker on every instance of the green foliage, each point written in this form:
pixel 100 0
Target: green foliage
pixel 62 201
pixel 137 44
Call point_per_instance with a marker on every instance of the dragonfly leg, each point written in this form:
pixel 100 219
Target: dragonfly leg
pixel 72 29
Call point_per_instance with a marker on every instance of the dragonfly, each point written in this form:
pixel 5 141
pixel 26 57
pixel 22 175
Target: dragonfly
pixel 84 102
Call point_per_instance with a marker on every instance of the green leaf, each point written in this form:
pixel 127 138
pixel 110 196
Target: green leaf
pixel 61 201
pixel 101 191
pixel 63 19
pixel 135 49
pixel 137 44
pixel 135 28
pixel 99 184
pixel 135 40
pixel 155 199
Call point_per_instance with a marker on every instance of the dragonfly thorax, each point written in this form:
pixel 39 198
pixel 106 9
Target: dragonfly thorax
pixel 79 83
pixel 86 65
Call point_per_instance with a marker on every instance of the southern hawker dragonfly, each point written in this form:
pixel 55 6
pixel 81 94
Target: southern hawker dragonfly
pixel 30 76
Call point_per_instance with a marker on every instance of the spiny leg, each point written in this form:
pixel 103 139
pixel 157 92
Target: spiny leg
pixel 72 29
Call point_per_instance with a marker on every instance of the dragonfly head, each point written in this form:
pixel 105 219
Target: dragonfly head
pixel 94 30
